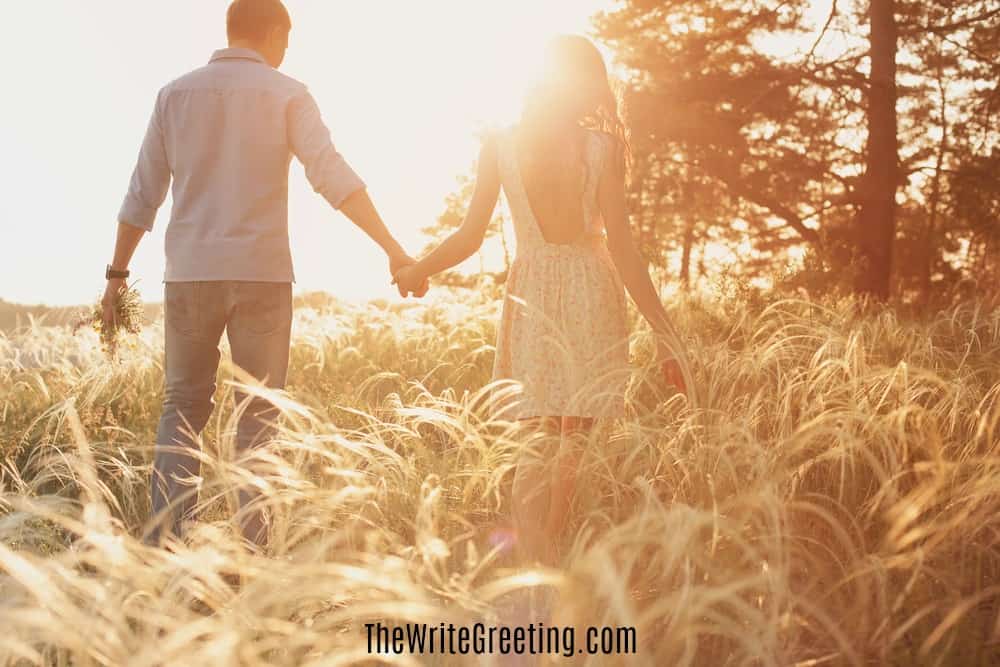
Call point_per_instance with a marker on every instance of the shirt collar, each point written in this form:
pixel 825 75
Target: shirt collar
pixel 237 54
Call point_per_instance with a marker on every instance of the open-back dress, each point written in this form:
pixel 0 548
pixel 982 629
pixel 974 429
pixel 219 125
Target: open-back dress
pixel 563 336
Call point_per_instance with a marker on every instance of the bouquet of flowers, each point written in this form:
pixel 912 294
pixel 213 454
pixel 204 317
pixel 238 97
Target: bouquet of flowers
pixel 127 317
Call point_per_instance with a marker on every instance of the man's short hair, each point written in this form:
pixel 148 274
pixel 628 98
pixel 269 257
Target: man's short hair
pixel 254 19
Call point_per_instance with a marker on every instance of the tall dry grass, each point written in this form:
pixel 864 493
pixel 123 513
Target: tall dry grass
pixel 833 500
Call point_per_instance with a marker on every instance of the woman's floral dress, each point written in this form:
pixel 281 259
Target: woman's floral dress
pixel 563 337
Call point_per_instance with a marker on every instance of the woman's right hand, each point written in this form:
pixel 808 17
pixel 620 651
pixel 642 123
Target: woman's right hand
pixel 670 368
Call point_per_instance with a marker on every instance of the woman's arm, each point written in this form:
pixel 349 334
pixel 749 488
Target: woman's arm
pixel 468 238
pixel 631 265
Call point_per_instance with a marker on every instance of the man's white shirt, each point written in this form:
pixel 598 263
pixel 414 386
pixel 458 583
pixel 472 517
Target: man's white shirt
pixel 225 135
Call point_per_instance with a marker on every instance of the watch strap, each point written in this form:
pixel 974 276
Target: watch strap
pixel 110 273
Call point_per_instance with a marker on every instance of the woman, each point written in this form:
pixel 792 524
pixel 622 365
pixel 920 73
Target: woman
pixel 563 337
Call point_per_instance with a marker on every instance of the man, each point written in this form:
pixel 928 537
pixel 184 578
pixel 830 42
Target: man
pixel 226 133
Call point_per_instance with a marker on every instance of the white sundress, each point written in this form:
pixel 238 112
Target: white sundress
pixel 562 342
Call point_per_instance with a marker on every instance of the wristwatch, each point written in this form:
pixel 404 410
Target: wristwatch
pixel 110 273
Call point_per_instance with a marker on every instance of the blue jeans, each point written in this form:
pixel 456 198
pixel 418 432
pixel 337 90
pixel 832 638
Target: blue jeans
pixel 257 318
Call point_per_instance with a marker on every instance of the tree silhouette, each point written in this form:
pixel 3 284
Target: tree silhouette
pixel 852 146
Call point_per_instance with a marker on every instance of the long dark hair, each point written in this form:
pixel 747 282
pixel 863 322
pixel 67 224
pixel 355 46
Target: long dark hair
pixel 573 91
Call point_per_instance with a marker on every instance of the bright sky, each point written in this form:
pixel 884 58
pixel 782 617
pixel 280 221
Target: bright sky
pixel 403 85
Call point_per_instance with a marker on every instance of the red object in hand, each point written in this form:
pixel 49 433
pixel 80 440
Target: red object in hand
pixel 672 374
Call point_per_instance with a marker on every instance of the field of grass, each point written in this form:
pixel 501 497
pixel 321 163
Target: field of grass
pixel 833 498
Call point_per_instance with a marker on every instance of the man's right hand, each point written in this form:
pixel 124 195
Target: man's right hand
pixel 109 302
pixel 396 265
pixel 398 261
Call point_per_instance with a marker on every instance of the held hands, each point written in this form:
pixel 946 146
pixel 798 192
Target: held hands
pixel 405 278
pixel 409 280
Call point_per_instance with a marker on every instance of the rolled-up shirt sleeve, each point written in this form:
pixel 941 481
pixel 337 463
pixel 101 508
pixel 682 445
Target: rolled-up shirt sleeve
pixel 150 179
pixel 327 170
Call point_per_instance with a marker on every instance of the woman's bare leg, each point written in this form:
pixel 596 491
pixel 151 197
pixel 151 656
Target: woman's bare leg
pixel 530 493
pixel 574 432
pixel 544 487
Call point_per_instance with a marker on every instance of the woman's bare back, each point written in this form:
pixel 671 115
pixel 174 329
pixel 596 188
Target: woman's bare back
pixel 553 172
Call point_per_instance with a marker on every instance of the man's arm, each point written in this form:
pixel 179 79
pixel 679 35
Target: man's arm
pixel 146 192
pixel 150 179
pixel 360 209
pixel 331 176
